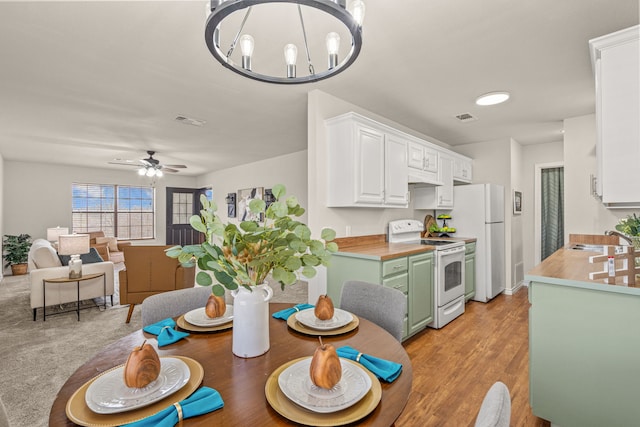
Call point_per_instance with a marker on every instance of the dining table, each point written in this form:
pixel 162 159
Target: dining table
pixel 241 381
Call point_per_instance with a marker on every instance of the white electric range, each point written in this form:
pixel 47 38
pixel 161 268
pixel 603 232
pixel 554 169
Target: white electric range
pixel 448 265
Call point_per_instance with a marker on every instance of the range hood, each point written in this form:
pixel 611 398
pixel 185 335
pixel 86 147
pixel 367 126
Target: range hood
pixel 419 180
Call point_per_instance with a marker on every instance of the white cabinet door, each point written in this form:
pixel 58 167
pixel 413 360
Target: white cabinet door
pixel 616 60
pixel 370 178
pixel 396 174
pixel 444 193
pixel 462 169
pixel 416 155
pixel 430 160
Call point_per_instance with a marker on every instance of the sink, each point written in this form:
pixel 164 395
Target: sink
pixel 593 248
pixel 585 247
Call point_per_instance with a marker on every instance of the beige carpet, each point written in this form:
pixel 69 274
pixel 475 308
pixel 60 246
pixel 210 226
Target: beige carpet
pixel 36 358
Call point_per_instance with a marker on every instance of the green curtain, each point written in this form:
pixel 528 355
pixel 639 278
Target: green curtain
pixel 552 207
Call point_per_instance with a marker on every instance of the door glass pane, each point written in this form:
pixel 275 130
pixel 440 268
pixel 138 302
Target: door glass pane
pixel 452 275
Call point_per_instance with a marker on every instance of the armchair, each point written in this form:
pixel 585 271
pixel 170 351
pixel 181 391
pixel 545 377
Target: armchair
pixel 43 263
pixel 109 248
pixel 150 271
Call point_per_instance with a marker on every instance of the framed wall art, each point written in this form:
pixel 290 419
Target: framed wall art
pixel 244 198
pixel 517 202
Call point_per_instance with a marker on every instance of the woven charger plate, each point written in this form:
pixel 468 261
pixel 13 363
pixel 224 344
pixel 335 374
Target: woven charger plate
pixel 183 324
pixel 285 407
pixel 78 411
pixel 299 327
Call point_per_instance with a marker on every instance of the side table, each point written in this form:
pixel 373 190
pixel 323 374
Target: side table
pixel 77 280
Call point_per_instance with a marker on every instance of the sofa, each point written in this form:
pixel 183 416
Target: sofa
pixel 109 248
pixel 149 271
pixel 44 263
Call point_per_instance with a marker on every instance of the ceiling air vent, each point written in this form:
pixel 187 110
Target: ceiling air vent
pixel 190 121
pixel 466 117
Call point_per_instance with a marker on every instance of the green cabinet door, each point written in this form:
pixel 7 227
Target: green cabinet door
pixel 420 296
pixel 469 271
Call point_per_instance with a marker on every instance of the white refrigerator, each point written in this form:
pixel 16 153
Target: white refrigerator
pixel 479 212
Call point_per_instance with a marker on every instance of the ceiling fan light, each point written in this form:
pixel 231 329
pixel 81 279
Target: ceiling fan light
pixel 159 173
pixel 151 172
pixel 492 98
pixel 142 171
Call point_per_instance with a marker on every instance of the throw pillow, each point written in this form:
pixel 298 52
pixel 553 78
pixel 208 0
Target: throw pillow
pixel 90 258
pixel 112 243
pixel 46 257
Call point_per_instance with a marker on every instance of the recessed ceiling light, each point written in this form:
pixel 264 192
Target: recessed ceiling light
pixel 492 98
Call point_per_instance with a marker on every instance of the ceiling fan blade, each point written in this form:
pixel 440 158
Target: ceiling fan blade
pixel 145 162
pixel 176 166
pixel 124 164
pixel 166 169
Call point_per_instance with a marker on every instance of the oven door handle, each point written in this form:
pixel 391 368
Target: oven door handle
pixel 453 308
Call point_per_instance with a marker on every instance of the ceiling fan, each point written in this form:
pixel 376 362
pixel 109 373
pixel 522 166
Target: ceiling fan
pixel 149 166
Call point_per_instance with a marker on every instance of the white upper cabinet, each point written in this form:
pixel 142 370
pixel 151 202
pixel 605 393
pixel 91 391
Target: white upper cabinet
pixel 422 162
pixel 439 197
pixel 367 164
pixel 462 169
pixel 616 61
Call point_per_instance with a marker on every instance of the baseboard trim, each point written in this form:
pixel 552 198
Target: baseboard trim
pixel 515 289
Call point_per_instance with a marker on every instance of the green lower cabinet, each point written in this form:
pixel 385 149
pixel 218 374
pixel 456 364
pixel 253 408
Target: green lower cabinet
pixel 420 295
pixel 584 352
pixel 411 275
pixel 469 271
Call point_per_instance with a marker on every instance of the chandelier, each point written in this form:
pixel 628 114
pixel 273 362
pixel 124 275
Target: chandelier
pixel 266 20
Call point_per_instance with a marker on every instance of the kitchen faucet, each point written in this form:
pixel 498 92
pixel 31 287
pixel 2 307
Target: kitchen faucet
pixel 622 236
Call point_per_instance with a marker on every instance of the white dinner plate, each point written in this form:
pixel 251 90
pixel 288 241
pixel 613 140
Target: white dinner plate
pixel 295 383
pixel 198 317
pixel 308 318
pixel 108 394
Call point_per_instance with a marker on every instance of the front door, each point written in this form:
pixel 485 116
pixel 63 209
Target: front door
pixel 182 203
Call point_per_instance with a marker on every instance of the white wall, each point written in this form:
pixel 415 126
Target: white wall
pixel 517 241
pixel 2 180
pixel 38 196
pixel 584 214
pixel 533 155
pixel 289 170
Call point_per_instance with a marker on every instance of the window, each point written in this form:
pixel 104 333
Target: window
pixel 122 211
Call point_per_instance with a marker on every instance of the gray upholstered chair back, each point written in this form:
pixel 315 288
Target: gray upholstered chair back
pixel 386 307
pixel 496 407
pixel 173 303
pixel 4 418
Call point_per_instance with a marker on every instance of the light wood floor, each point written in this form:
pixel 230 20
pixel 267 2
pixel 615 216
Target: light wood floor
pixel 454 366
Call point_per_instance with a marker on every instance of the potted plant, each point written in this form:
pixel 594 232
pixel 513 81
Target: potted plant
pixel 630 226
pixel 239 257
pixel 16 252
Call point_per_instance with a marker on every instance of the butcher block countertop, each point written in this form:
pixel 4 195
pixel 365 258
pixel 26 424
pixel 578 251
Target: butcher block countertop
pixel 572 267
pixel 376 247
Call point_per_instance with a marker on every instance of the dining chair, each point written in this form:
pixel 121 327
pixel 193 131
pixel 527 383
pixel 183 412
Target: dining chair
pixel 4 418
pixel 495 410
pixel 173 303
pixel 379 304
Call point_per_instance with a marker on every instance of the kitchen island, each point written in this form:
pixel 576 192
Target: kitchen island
pixel 584 344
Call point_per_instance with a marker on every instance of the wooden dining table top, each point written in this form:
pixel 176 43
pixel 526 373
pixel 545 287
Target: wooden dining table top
pixel 241 382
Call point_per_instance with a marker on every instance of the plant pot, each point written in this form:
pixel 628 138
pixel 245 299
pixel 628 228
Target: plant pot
pixel 251 321
pixel 18 269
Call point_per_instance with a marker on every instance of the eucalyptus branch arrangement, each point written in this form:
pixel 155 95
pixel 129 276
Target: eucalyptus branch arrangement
pixel 245 254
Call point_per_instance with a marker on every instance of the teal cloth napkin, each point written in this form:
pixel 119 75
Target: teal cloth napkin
pixel 202 401
pixel 385 370
pixel 284 314
pixel 165 331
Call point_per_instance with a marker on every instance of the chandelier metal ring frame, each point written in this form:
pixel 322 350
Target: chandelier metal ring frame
pixel 336 8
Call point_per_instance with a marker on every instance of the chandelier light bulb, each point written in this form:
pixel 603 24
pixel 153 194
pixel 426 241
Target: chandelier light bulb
pixel 246 47
pixel 290 58
pixel 333 46
pixel 357 9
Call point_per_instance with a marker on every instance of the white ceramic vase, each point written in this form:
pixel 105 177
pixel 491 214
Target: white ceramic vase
pixel 251 320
